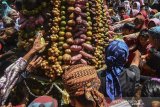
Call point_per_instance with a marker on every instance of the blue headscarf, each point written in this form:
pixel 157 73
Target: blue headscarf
pixel 6 9
pixel 155 32
pixel 116 55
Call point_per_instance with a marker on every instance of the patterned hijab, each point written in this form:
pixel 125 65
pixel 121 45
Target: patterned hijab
pixel 44 101
pixel 83 80
pixel 116 55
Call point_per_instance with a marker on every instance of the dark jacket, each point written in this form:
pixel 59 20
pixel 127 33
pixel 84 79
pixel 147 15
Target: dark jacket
pixel 128 80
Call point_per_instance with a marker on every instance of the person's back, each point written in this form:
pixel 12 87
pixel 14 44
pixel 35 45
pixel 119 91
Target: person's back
pixel 115 76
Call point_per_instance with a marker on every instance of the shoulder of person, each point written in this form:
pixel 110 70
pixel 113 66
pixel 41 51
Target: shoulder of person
pixel 133 72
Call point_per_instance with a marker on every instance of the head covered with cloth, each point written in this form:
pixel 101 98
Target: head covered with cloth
pixel 44 101
pixel 154 36
pixel 116 54
pixel 82 84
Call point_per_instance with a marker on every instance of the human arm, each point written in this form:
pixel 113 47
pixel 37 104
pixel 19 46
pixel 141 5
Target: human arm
pixel 33 64
pixel 131 36
pixel 12 73
pixel 137 58
pixel 126 20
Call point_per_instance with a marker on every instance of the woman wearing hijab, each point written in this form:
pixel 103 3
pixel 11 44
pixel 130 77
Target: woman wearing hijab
pixel 137 6
pixel 117 81
pixel 44 101
pixel 127 6
pixel 153 22
pixel 134 12
pixel 5 9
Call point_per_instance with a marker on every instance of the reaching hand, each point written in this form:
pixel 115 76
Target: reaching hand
pixel 37 46
pixel 137 53
pixel 36 61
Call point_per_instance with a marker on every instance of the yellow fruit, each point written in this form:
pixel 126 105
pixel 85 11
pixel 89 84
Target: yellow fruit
pixel 89 38
pixel 65 46
pixel 71 22
pixel 54 38
pixel 71 16
pixel 89 33
pixel 68 34
pixel 68 51
pixel 61 33
pixel 68 28
pixel 66 57
pixel 70 41
pixel 60 58
pixel 70 9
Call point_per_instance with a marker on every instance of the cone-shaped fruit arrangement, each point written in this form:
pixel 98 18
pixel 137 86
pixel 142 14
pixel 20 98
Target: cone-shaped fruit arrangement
pixel 79 35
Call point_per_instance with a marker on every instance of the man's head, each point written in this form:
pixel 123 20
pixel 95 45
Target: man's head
pixel 121 11
pixel 82 84
pixel 139 21
pixel 143 37
pixel 128 28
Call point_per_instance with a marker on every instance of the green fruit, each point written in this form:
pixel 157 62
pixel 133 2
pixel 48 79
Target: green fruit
pixel 63 7
pixel 63 23
pixel 61 38
pixel 62 28
pixel 89 18
pixel 43 43
pixel 63 13
pixel 60 43
pixel 63 18
pixel 60 58
pixel 88 13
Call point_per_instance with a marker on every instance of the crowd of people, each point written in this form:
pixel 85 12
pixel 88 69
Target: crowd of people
pixel 131 77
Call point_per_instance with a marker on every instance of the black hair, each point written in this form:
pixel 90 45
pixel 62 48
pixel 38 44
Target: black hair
pixel 120 8
pixel 41 105
pixel 150 92
pixel 128 26
pixel 144 33
pixel 83 100
pixel 151 88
